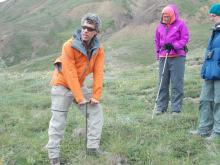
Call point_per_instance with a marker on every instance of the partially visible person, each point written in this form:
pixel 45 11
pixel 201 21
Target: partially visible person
pixel 209 108
pixel 81 55
pixel 171 39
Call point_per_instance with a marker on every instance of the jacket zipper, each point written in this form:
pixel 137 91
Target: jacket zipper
pixel 85 69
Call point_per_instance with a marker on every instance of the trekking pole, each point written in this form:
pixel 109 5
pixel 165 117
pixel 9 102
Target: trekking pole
pixel 161 80
pixel 87 115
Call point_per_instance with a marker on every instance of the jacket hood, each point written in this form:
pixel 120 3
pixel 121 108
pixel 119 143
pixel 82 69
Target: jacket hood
pixel 78 44
pixel 176 11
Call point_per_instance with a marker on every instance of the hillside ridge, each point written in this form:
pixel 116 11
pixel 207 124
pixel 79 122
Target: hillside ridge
pixel 32 29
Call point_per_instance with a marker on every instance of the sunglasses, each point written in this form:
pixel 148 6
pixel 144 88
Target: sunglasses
pixel 212 15
pixel 89 29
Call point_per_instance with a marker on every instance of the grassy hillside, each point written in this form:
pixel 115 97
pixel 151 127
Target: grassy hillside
pixel 129 133
pixel 131 76
pixel 33 29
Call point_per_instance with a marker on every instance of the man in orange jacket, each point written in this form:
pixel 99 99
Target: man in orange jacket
pixel 80 56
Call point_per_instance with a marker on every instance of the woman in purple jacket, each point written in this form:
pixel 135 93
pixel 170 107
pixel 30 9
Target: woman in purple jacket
pixel 170 42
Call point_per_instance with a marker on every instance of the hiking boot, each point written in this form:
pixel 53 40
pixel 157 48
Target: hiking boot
pixel 196 133
pixel 96 152
pixel 175 113
pixel 55 161
pixel 214 136
pixel 159 113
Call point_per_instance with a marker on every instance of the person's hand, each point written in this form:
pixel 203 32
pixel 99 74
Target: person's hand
pixel 84 101
pixel 168 47
pixel 93 101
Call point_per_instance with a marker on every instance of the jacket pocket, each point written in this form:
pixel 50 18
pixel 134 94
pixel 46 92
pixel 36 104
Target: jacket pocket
pixel 211 70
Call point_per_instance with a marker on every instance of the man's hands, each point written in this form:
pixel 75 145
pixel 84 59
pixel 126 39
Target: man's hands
pixel 84 101
pixel 91 101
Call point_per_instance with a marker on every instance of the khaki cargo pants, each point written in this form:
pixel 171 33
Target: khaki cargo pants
pixel 62 99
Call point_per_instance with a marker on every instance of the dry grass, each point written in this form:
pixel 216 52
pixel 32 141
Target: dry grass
pixel 105 9
pixel 130 31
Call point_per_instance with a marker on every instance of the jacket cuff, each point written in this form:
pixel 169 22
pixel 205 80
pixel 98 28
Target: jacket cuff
pixel 98 99
pixel 79 99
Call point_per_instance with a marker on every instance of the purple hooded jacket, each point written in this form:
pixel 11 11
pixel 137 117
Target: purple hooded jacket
pixel 177 34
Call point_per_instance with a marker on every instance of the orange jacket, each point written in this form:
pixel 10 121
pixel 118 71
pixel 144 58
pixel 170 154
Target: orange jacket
pixel 75 66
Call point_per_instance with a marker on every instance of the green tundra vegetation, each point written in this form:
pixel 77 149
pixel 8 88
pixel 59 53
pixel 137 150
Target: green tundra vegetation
pixel 32 33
